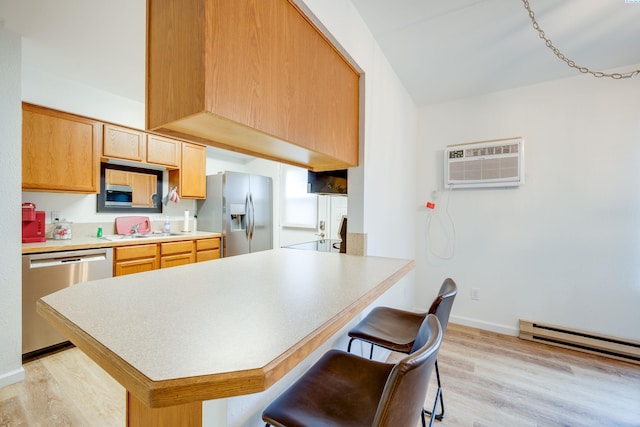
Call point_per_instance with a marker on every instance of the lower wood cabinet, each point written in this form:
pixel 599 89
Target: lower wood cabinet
pixel 135 259
pixel 207 249
pixel 173 254
pixel 151 256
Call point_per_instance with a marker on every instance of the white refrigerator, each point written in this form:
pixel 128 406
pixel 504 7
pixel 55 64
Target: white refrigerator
pixel 240 207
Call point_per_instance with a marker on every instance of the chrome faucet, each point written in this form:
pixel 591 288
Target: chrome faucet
pixel 135 229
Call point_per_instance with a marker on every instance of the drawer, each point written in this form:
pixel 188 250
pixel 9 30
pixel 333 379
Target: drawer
pixel 134 252
pixel 207 244
pixel 135 266
pixel 176 260
pixel 207 255
pixel 181 247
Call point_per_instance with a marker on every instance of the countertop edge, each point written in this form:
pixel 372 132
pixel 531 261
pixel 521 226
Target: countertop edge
pixel 90 242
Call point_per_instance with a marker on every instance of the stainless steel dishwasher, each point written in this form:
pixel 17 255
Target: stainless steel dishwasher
pixel 45 273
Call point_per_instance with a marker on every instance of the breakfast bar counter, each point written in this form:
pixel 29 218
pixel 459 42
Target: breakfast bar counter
pixel 176 337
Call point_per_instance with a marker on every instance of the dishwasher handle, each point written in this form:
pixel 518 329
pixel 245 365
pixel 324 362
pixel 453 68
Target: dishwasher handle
pixel 50 262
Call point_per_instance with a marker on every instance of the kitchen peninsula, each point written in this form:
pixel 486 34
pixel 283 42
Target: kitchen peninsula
pixel 174 338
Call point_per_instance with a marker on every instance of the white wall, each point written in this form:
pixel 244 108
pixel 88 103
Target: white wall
pixel 387 204
pixel 43 88
pixel 10 226
pixel 561 249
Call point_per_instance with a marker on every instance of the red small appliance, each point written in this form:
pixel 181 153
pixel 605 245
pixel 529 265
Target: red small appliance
pixel 32 224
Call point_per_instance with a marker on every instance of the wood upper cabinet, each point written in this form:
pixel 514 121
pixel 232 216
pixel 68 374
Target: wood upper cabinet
pixel 290 96
pixel 143 186
pixel 117 177
pixel 124 143
pixel 191 179
pixel 163 151
pixel 60 151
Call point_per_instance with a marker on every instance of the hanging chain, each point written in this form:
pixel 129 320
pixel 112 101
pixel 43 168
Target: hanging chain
pixel 569 62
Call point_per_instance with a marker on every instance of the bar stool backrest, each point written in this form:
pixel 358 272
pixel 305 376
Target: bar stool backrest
pixel 403 395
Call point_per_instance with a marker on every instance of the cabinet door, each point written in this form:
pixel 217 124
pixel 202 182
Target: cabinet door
pixel 163 151
pixel 134 259
pixel 123 143
pixel 143 187
pixel 191 177
pixel 60 152
pixel 207 249
pixel 117 177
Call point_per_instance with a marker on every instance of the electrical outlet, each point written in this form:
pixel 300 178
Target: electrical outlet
pixel 475 293
pixel 55 215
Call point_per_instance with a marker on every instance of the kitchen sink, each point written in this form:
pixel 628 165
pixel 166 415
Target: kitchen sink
pixel 112 237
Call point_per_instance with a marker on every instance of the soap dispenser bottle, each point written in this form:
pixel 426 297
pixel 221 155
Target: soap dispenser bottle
pixel 167 226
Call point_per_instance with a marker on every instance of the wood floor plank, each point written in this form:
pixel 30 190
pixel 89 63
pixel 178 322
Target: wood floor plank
pixel 12 412
pixel 517 383
pixel 489 380
pixel 91 390
pixel 44 400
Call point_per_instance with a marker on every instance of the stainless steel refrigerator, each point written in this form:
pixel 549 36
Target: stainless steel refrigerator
pixel 240 207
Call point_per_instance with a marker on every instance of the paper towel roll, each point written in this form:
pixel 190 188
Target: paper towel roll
pixel 185 226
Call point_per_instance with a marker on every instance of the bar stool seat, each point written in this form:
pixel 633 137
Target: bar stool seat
pixel 345 390
pixel 389 328
pixel 396 330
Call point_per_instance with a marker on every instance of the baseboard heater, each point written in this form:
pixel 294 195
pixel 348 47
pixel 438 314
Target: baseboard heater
pixel 588 342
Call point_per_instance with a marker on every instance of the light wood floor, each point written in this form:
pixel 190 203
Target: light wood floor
pixel 488 379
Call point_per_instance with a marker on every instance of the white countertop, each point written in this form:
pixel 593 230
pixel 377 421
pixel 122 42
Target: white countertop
pixel 222 317
pixel 90 242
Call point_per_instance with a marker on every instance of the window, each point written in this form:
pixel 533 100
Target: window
pixel 299 208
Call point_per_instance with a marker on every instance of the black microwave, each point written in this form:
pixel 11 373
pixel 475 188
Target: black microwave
pixel 328 182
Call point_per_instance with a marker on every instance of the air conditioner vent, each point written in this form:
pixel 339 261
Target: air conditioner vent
pixel 484 164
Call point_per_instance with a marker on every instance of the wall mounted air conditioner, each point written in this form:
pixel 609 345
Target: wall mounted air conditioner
pixel 497 163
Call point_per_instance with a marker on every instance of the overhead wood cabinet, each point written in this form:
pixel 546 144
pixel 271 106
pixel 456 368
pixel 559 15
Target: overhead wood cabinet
pixel 143 186
pixel 190 179
pixel 123 143
pixel 252 76
pixel 163 151
pixel 60 151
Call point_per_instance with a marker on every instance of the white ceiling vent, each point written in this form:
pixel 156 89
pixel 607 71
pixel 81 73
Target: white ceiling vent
pixel 498 163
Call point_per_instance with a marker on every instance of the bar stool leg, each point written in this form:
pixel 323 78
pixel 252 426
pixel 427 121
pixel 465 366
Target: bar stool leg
pixel 439 416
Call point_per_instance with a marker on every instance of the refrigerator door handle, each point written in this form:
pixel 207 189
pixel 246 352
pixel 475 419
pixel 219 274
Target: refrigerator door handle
pixel 252 216
pixel 247 228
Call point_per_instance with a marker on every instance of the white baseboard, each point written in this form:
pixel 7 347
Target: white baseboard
pixel 12 377
pixel 487 326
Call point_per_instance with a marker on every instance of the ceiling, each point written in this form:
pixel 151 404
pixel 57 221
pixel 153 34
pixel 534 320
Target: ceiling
pixel 452 49
pixel 441 50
